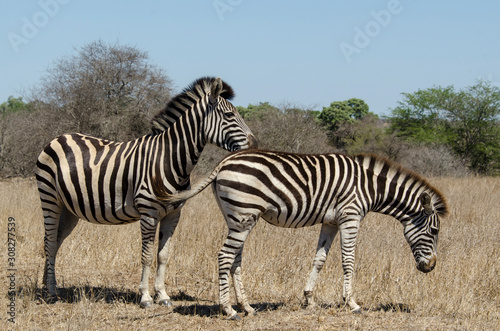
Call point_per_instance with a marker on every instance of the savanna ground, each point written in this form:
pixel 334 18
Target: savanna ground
pixel 98 269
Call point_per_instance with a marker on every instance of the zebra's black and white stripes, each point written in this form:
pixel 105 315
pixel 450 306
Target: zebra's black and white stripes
pixel 110 182
pixel 336 191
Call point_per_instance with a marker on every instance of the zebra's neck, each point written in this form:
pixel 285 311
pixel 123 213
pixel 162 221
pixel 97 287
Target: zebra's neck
pixel 183 142
pixel 390 189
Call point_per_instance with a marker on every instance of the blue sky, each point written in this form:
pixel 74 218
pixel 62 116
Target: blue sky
pixel 307 53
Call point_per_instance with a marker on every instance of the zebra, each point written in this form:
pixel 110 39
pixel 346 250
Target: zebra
pixel 108 182
pixel 334 190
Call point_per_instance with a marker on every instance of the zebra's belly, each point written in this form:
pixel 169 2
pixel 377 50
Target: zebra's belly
pixel 297 219
pixel 105 213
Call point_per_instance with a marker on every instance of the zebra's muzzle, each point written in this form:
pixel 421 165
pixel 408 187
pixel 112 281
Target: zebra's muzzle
pixel 427 266
pixel 252 142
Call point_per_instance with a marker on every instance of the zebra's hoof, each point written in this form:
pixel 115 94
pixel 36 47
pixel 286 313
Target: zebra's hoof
pixel 146 304
pixel 356 311
pixel 165 303
pixel 235 317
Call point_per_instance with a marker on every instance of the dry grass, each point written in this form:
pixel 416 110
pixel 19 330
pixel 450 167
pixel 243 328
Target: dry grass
pixel 99 270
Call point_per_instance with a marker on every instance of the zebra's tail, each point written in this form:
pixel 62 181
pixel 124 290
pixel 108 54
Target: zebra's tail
pixel 178 197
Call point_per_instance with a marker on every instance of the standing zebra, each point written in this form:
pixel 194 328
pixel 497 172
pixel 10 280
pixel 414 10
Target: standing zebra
pixel 106 182
pixel 337 191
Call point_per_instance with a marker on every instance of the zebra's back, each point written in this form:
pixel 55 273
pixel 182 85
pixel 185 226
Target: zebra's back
pixel 287 190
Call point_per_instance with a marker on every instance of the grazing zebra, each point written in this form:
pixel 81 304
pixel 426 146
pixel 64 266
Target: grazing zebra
pixel 336 191
pixel 106 182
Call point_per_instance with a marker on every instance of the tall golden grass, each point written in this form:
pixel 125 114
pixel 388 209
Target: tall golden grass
pixel 98 270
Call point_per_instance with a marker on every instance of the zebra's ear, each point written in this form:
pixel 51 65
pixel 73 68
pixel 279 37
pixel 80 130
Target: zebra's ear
pixel 216 89
pixel 426 201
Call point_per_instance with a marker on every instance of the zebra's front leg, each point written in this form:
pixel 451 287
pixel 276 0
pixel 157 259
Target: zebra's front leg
pixel 241 297
pixel 148 232
pixel 348 235
pixel 167 228
pixel 325 240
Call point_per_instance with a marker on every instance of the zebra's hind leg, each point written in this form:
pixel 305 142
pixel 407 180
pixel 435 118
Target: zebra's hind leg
pixel 326 237
pixel 51 223
pixel 67 224
pixel 348 235
pixel 167 228
pixel 148 232
pixel 233 245
pixel 59 223
pixel 241 297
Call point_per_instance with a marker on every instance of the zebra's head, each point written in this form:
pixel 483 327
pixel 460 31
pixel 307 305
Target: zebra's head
pixel 225 126
pixel 421 231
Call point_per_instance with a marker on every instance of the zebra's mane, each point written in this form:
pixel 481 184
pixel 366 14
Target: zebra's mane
pixel 438 199
pixel 182 102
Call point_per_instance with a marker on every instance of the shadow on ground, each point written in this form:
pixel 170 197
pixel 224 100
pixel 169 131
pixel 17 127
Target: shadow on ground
pixel 114 295
pixel 394 307
pixel 215 310
pixel 386 307
pixel 78 293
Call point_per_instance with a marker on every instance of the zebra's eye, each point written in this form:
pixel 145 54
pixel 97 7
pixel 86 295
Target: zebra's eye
pixel 229 114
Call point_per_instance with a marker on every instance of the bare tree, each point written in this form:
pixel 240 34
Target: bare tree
pixel 287 128
pixel 109 91
pixel 105 90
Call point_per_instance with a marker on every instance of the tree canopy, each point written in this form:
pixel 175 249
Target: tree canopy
pixel 467 120
pixel 340 116
pixel 13 105
pixel 340 112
